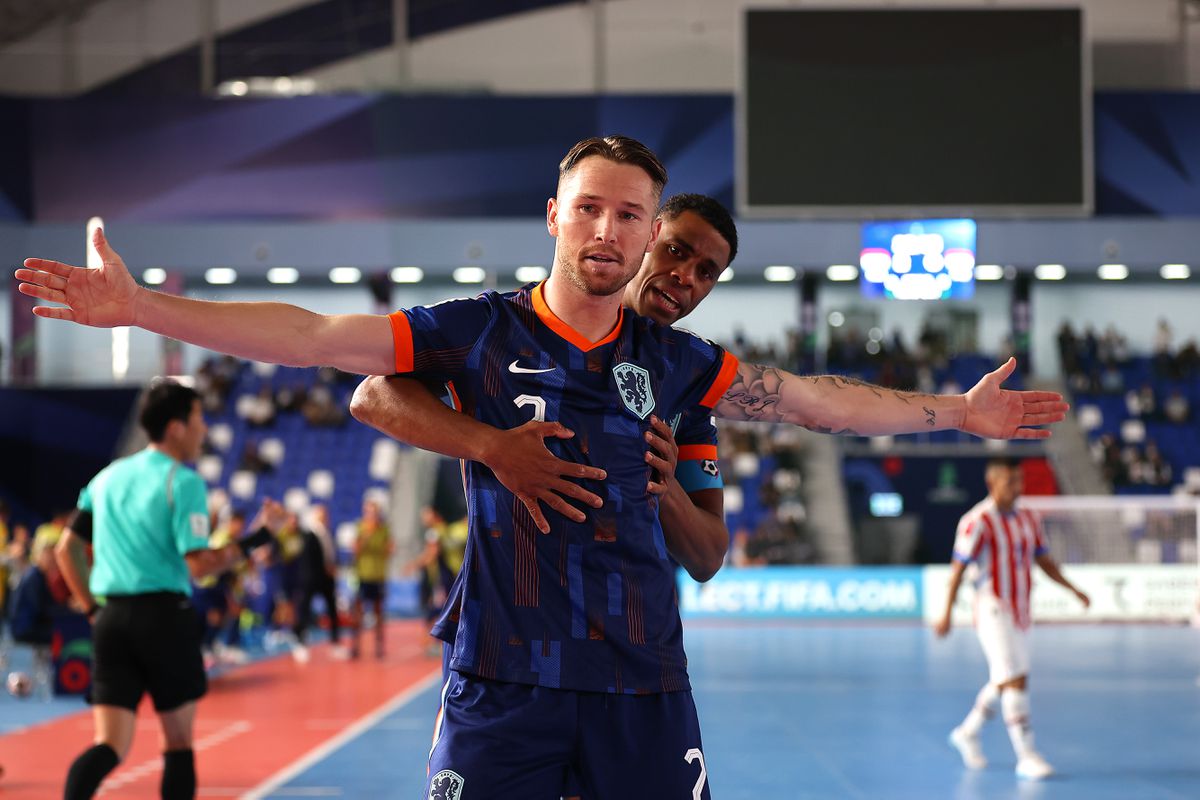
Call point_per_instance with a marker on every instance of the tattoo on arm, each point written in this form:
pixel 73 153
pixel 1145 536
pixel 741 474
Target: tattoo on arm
pixel 930 416
pixel 820 429
pixel 842 382
pixel 755 394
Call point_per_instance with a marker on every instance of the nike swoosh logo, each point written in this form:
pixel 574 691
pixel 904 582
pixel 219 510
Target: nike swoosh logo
pixel 519 370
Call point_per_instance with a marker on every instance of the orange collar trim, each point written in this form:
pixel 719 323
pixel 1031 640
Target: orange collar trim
pixel 564 330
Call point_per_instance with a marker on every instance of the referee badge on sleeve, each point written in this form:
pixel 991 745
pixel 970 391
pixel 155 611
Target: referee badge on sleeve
pixel 199 525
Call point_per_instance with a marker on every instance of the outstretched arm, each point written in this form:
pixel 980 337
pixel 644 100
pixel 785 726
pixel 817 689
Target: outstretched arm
pixel 406 410
pixel 1050 567
pixel 834 404
pixel 278 333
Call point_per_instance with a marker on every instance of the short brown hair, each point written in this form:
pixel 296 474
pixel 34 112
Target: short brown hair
pixel 620 149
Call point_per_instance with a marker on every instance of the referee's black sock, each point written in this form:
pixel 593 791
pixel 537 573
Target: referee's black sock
pixel 88 770
pixel 179 775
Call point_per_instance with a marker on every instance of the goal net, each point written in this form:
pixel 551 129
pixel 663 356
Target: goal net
pixel 1135 556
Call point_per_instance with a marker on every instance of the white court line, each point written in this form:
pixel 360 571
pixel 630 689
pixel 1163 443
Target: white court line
pixel 355 730
pixel 133 774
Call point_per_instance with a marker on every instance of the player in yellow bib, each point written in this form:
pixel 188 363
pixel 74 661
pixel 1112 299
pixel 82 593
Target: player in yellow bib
pixel 372 553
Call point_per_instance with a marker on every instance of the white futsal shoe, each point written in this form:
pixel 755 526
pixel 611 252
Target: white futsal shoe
pixel 1032 766
pixel 969 748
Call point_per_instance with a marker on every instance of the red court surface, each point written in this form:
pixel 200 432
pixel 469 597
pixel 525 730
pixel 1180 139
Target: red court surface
pixel 257 721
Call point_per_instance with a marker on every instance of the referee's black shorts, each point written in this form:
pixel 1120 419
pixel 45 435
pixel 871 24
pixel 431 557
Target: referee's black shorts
pixel 147 643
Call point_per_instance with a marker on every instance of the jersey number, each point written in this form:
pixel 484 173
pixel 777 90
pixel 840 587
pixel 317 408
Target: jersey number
pixel 695 755
pixel 538 403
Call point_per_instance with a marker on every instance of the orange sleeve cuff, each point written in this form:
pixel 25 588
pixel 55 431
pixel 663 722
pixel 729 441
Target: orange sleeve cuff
pixel 402 341
pixel 724 380
pixel 697 452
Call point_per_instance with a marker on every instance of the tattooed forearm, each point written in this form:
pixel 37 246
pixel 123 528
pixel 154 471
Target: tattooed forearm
pixel 753 395
pixel 841 382
pixel 831 404
pixel 820 429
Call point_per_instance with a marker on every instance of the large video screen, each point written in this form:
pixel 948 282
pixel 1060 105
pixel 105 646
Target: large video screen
pixel 894 112
pixel 930 259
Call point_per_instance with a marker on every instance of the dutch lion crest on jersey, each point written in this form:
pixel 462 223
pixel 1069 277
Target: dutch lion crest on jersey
pixel 446 785
pixel 633 384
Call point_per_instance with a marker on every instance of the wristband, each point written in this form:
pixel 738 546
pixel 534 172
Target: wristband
pixel 259 538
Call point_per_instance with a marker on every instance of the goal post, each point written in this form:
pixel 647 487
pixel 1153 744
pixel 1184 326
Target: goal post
pixel 1135 557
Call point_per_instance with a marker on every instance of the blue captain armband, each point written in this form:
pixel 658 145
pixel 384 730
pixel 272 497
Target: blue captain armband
pixel 698 468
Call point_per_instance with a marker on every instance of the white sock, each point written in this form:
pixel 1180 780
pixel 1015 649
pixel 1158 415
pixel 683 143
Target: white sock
pixel 983 710
pixel 1015 703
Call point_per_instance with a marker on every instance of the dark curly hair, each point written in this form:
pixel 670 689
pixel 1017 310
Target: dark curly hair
pixel 708 210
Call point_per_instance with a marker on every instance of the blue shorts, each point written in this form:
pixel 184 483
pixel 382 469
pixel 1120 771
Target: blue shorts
pixel 510 740
pixel 371 591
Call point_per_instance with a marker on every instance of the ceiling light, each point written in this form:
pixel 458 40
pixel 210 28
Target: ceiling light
pixel 989 272
pixel 407 275
pixel 1175 272
pixel 345 275
pixel 220 275
pixel 155 276
pixel 283 275
pixel 1113 272
pixel 469 275
pixel 529 274
pixel 726 276
pixel 780 273
pixel 1050 272
pixel 842 272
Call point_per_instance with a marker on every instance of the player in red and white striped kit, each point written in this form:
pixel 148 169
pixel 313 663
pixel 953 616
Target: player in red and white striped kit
pixel 996 546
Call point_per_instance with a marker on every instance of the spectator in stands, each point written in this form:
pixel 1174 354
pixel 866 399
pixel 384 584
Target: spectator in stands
pixel 289 544
pixel 1141 403
pixel 317 577
pixel 319 410
pixel 439 561
pixel 1090 348
pixel 372 552
pixel 1068 353
pixel 252 460
pixel 777 538
pixel 1176 408
pixel 211 387
pixel 1187 360
pixel 739 550
pixel 48 533
pixel 1156 470
pixel 1113 346
pixel 1108 454
pixel 212 594
pixel 261 411
pixel 1163 336
pixel 291 398
pixel 40 592
pixel 1112 380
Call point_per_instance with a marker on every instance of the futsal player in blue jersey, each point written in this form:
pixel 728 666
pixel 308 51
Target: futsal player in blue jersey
pixel 568 640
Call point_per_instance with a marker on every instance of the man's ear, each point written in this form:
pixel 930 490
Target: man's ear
pixel 655 230
pixel 552 216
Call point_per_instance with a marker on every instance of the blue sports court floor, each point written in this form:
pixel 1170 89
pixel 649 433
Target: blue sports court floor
pixel 863 712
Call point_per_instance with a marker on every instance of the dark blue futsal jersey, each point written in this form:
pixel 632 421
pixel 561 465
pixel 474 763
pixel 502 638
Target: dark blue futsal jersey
pixel 590 606
pixel 696 469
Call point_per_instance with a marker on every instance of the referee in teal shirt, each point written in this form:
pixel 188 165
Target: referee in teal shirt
pixel 146 517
